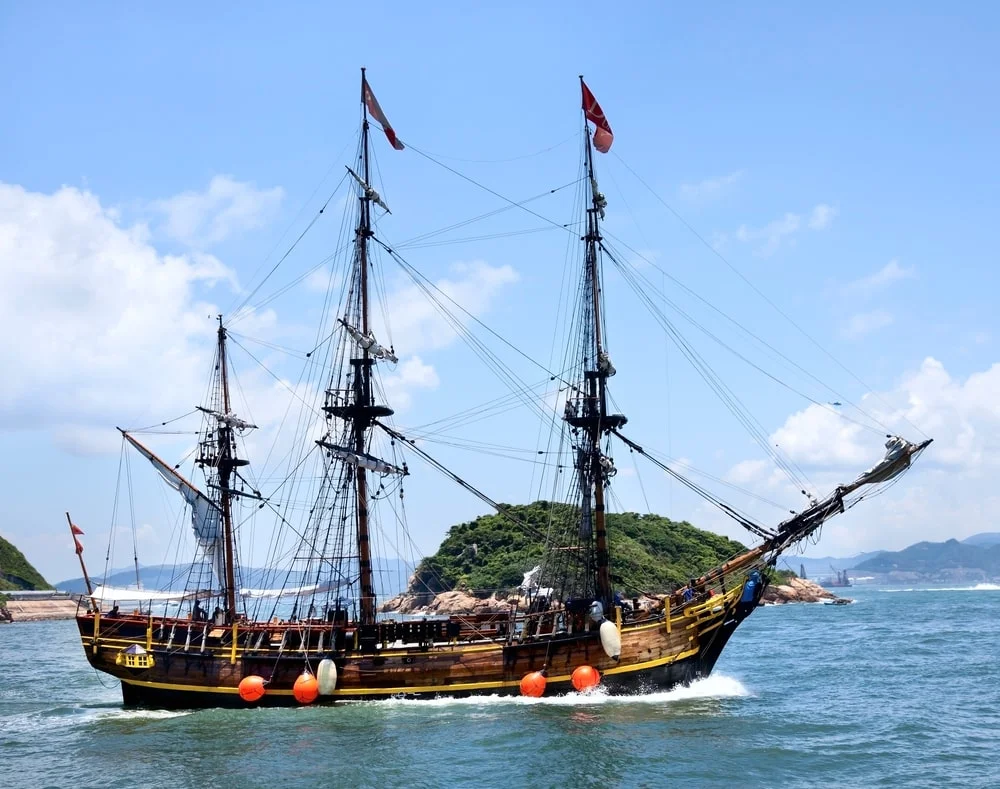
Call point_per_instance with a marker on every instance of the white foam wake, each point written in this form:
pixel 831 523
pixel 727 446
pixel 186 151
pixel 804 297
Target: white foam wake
pixel 976 588
pixel 717 686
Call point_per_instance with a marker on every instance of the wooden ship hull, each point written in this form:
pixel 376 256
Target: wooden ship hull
pixel 185 664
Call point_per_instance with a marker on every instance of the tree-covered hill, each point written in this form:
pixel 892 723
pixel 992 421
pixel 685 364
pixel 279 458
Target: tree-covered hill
pixel 649 552
pixel 16 572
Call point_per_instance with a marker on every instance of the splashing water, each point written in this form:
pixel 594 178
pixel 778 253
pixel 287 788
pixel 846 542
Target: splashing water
pixel 718 686
pixel 977 588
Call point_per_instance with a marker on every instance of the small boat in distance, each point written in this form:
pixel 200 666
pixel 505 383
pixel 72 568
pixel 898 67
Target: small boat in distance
pixel 317 636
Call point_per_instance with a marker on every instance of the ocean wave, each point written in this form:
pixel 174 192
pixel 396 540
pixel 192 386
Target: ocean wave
pixel 718 686
pixel 976 588
pixel 55 718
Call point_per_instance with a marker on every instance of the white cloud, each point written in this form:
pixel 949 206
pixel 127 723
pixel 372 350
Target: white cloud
pixel 891 272
pixel 822 215
pixel 949 493
pixel 225 207
pixel 783 230
pixel 417 323
pixel 772 234
pixel 864 323
pixel 709 188
pixel 411 374
pixel 101 326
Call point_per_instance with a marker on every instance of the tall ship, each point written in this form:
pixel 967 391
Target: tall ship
pixel 309 630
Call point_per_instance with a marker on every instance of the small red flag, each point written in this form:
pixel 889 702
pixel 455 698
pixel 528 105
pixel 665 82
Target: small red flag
pixel 603 136
pixel 377 114
pixel 76 529
pixel 79 545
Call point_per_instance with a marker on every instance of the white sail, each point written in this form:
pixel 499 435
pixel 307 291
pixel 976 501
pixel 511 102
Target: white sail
pixel 205 514
pixel 122 594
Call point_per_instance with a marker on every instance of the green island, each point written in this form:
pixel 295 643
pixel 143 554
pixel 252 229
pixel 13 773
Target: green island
pixel 651 553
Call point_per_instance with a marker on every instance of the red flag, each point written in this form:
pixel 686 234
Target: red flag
pixel 76 529
pixel 377 114
pixel 603 136
pixel 79 545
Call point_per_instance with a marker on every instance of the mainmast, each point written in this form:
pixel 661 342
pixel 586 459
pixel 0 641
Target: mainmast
pixel 363 411
pixel 363 385
pixel 591 413
pixel 226 464
pixel 355 404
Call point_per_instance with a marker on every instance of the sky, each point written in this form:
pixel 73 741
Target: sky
pixel 824 177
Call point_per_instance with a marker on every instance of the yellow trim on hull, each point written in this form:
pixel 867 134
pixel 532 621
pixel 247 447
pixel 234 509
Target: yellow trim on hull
pixel 345 692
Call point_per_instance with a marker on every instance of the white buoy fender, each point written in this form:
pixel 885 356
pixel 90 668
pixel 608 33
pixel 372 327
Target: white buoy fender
pixel 326 674
pixel 611 640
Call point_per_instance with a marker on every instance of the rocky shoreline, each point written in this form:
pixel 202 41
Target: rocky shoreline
pixel 796 590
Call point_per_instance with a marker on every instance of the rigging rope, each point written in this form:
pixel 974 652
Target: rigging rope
pixel 756 290
pixel 742 520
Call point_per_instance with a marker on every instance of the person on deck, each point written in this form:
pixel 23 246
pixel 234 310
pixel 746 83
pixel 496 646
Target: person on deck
pixel 113 612
pixel 198 613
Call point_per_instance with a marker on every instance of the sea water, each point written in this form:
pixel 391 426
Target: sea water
pixel 901 689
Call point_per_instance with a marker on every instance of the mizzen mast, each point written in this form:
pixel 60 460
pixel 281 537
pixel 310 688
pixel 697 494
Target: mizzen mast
pixel 218 453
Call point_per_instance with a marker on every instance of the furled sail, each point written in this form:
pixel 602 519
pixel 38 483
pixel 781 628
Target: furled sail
pixel 205 513
pixel 369 343
pixel 898 452
pixel 230 420
pixel 362 459
pixel 898 457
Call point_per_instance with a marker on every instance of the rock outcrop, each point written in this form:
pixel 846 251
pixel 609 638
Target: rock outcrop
pixel 797 590
pixel 446 603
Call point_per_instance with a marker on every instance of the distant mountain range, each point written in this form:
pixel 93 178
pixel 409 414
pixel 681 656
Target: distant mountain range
pixel 391 576
pixel 942 560
pixel 983 538
pixel 821 567
pixel 974 558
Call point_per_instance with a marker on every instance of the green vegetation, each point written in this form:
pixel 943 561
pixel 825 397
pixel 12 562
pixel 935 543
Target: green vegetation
pixel 649 552
pixel 16 572
pixel 776 576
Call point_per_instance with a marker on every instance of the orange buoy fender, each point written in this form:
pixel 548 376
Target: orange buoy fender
pixel 252 688
pixel 533 684
pixel 326 676
pixel 306 688
pixel 586 678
